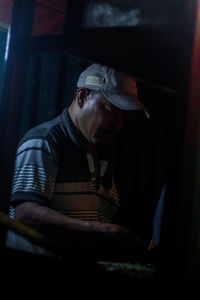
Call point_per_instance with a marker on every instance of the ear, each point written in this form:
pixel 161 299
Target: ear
pixel 82 94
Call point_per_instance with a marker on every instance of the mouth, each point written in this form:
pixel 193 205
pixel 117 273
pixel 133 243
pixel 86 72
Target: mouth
pixel 104 135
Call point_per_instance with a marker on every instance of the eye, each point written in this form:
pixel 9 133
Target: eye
pixel 108 108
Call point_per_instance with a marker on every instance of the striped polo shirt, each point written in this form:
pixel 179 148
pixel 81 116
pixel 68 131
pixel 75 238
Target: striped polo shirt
pixel 53 167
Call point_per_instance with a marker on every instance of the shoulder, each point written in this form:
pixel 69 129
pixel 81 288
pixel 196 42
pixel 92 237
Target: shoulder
pixel 49 134
pixel 43 131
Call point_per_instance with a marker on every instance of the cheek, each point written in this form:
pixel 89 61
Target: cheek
pixel 121 120
pixel 120 124
pixel 96 121
pixel 113 122
pixel 99 118
pixel 108 121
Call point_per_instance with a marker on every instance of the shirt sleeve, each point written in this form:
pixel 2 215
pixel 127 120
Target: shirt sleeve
pixel 35 172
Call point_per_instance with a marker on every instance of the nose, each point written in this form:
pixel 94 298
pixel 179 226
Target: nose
pixel 116 121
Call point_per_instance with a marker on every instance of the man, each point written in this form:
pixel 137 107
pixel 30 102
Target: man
pixel 63 182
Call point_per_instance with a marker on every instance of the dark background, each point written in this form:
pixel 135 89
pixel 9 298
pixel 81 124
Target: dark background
pixel 40 77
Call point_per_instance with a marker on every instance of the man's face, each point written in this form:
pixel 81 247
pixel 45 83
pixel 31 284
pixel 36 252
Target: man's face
pixel 99 120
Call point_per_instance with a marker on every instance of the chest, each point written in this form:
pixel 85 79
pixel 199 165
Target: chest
pixel 85 188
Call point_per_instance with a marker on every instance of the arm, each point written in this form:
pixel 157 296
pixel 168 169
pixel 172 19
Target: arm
pixel 65 232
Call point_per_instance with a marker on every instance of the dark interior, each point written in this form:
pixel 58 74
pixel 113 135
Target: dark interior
pixel 154 155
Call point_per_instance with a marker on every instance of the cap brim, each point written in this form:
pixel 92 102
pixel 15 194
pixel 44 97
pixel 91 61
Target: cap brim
pixel 124 102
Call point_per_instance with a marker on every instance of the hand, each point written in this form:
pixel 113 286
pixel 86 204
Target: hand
pixel 126 238
pixel 119 242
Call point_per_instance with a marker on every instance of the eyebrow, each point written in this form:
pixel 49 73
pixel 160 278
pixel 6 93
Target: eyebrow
pixel 111 105
pixel 116 109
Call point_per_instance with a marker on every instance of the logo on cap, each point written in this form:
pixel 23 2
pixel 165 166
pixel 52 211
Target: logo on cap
pixel 93 80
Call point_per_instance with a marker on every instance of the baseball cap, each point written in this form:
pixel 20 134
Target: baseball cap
pixel 118 88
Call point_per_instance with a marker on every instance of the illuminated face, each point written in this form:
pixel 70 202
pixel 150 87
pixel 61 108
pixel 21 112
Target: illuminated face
pixel 99 120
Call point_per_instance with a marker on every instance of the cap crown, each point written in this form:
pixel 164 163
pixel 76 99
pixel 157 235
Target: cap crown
pixel 119 88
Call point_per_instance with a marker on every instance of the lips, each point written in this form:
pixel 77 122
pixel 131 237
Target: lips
pixel 105 133
pixel 103 136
